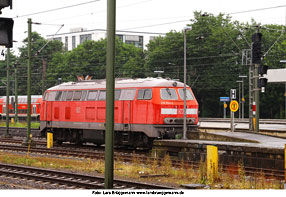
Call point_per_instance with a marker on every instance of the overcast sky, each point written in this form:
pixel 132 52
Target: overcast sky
pixel 158 16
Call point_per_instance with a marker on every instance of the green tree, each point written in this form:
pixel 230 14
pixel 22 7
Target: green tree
pixel 89 58
pixel 42 53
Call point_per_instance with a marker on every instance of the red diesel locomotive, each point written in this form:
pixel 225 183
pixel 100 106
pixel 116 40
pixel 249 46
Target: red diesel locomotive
pixel 22 106
pixel 145 109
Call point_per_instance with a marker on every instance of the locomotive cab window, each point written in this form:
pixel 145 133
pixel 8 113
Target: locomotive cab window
pixel 69 95
pixel 102 95
pixel 64 96
pixel 52 96
pixel 58 95
pixel 83 95
pixel 92 95
pixel 144 94
pixel 127 94
pixel 77 95
pixel 189 95
pixel 168 94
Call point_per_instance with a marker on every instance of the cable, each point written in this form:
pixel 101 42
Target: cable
pixel 56 9
pixel 255 10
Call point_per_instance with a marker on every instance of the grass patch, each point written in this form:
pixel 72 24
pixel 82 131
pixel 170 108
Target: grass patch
pixel 167 173
pixel 34 125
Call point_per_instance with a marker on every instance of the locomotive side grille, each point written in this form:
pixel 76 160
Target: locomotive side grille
pixel 178 120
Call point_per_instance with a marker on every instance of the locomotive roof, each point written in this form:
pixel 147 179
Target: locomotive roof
pixel 119 83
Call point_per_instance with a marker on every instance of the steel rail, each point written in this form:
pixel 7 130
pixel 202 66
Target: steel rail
pixel 71 179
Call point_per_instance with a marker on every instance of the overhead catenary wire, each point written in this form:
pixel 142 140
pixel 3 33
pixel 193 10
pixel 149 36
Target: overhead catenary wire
pixel 56 9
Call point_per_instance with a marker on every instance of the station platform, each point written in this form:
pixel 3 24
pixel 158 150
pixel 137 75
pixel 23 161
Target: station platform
pixel 255 149
pixel 270 128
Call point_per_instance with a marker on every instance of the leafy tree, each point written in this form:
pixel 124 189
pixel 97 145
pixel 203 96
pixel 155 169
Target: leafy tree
pixel 42 53
pixel 89 58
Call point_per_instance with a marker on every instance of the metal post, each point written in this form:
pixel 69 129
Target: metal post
pixel 224 110
pixel 239 98
pixel 7 93
pixel 110 61
pixel 185 81
pixel 16 94
pixel 251 96
pixel 256 90
pixel 242 95
pixel 26 141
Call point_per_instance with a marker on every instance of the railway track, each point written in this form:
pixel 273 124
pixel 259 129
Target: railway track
pixel 98 154
pixel 69 180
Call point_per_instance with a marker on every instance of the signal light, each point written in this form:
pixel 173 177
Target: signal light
pixel 6 32
pixel 256 37
pixel 256 48
pixel 262 82
pixel 262 70
pixel 5 3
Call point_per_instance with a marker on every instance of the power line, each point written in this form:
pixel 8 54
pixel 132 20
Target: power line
pixel 255 10
pixel 56 9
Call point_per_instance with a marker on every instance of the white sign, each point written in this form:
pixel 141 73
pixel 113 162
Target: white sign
pixel 233 93
pixel 276 75
pixel 2 53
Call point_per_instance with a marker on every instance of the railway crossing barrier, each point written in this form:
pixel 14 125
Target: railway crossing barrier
pixel 212 162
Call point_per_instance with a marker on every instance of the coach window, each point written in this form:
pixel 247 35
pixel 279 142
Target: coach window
pixel 58 95
pixel 144 94
pixel 189 95
pixel 102 95
pixel 69 95
pixel 169 94
pixel 83 95
pixel 77 95
pixel 127 94
pixel 52 96
pixel 92 95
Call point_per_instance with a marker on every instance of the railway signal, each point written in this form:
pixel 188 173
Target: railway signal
pixel 256 48
pixel 6 26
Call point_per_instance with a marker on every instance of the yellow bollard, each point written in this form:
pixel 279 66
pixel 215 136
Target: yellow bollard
pixel 49 140
pixel 12 121
pixel 253 123
pixel 212 162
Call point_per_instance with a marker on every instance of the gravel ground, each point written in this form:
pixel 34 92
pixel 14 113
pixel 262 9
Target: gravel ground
pixel 17 183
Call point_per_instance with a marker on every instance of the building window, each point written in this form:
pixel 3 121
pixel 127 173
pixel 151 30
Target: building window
pixel 73 42
pixel 85 37
pixel 58 38
pixel 66 42
pixel 135 40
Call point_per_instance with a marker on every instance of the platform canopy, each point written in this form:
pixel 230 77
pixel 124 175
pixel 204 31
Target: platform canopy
pixel 276 75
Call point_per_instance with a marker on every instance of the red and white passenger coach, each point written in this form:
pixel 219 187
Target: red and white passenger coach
pixel 145 109
pixel 22 106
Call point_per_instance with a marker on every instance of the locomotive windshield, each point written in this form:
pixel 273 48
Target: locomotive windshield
pixel 189 94
pixel 169 94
